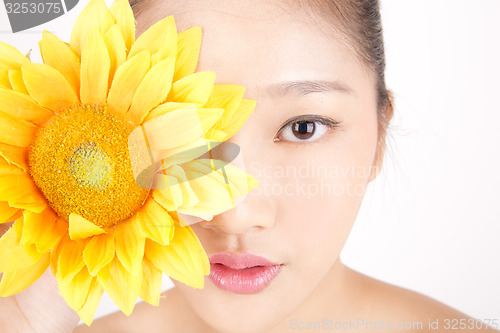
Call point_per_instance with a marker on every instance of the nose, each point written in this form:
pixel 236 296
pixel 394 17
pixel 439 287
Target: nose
pixel 252 214
pixel 255 211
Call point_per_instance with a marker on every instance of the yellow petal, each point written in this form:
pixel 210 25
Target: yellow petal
pixel 21 106
pixel 155 223
pixel 180 260
pixel 187 152
pixel 178 180
pixel 70 259
pixel 88 309
pixel 80 228
pixel 17 281
pixel 94 71
pixel 172 129
pixel 4 79
pixel 48 87
pixel 75 290
pixel 246 107
pixel 161 38
pixel 151 283
pixel 17 188
pixel 167 107
pixel 99 252
pixel 114 277
pixel 43 229
pixel 227 97
pixel 222 172
pixel 165 198
pixel 188 51
pixel 129 243
pixel 153 89
pixel 194 88
pixel 205 263
pixel 16 256
pixel 16 81
pixel 7 212
pixel 59 55
pixel 167 261
pixel 54 255
pixel 124 17
pixel 17 156
pixel 214 198
pixel 215 135
pixel 10 58
pixel 116 49
pixel 95 14
pixel 16 132
pixel 126 80
pixel 225 173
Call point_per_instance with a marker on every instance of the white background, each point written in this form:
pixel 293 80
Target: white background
pixel 431 221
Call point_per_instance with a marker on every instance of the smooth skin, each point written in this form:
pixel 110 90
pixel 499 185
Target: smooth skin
pixel 275 51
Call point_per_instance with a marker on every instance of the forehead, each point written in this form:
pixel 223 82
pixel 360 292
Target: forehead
pixel 259 43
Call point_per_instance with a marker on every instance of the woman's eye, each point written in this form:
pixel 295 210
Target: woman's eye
pixel 305 129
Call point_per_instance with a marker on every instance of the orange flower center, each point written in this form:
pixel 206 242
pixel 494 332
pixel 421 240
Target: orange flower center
pixel 80 161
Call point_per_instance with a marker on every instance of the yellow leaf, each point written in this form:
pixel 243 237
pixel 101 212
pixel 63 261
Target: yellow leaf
pixel 99 252
pixel 129 243
pixel 94 15
pixel 17 281
pixel 75 290
pixel 18 189
pixel 94 71
pixel 16 132
pixel 48 87
pixel 70 259
pixel 152 90
pixel 80 228
pixel 113 277
pixel 59 55
pixel 151 283
pixel 7 212
pixel 17 156
pixel 124 17
pixel 195 88
pixel 43 229
pixel 116 49
pixel 155 223
pixel 188 51
pixel 160 38
pixel 16 256
pixel 88 309
pixel 232 126
pixel 172 129
pixel 16 81
pixel 21 106
pixel 127 79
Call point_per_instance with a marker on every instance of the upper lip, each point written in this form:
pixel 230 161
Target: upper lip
pixel 240 261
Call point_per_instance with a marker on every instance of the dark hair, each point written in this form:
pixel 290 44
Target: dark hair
pixel 359 23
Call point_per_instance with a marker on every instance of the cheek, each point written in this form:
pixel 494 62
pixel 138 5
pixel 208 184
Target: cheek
pixel 321 193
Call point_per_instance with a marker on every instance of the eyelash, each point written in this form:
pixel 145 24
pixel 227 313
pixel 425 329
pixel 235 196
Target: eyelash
pixel 331 124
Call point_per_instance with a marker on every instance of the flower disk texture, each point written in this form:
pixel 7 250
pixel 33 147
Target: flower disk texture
pixel 100 149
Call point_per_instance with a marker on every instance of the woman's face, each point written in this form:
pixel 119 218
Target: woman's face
pixel 312 179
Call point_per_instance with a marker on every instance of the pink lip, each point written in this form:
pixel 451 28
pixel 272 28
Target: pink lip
pixel 244 273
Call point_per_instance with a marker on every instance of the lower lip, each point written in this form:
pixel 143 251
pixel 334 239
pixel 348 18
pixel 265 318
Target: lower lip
pixel 243 281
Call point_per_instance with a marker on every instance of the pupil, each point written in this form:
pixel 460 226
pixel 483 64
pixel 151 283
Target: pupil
pixel 303 129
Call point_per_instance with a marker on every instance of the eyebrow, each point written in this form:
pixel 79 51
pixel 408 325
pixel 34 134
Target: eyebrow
pixel 306 87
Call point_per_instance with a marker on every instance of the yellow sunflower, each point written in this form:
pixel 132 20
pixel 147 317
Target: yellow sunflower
pixel 100 147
